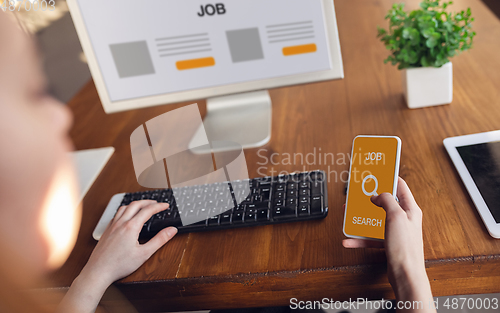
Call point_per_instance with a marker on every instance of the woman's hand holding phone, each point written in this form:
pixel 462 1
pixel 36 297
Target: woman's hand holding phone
pixel 403 246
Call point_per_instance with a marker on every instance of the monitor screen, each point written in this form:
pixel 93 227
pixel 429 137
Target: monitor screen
pixel 483 163
pixel 166 46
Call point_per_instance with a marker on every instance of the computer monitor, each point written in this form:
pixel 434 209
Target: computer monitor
pixel 157 52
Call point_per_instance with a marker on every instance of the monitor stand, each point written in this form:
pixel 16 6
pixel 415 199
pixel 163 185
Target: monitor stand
pixel 243 118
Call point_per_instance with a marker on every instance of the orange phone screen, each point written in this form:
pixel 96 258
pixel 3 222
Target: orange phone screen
pixel 373 170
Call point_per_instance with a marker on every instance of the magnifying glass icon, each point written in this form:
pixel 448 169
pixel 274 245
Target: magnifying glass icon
pixel 374 192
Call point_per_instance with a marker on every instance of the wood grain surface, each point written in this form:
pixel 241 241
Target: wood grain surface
pixel 266 266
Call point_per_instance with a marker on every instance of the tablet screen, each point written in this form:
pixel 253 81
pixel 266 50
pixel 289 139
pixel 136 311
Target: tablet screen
pixel 483 163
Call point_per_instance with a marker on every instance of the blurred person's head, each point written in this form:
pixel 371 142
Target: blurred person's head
pixel 39 218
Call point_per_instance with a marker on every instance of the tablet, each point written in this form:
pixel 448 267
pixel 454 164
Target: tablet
pixel 477 160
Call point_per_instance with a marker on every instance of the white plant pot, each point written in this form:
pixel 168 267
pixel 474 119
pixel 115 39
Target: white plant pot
pixel 428 86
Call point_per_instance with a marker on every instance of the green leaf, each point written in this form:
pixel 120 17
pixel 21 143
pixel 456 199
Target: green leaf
pixel 413 57
pixel 414 37
pixel 381 31
pixel 431 42
pixel 406 33
pixel 428 32
pixel 424 61
pixel 448 26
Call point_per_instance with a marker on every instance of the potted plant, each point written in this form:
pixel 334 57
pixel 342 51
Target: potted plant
pixel 421 43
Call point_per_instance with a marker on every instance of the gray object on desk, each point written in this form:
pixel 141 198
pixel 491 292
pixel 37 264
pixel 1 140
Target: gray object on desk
pixel 89 164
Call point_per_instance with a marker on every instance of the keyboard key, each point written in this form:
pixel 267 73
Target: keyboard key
pixel 304 192
pixel 284 213
pixel 168 214
pixel 316 206
pixel 316 189
pixel 250 217
pixel 291 202
pixel 256 198
pixel 265 196
pixel 237 218
pixel 189 213
pixel 279 187
pixel 185 207
pixel 198 197
pixel 213 221
pixel 304 200
pixel 291 186
pixel 127 198
pixel 303 210
pixel 291 193
pixel 203 212
pixel 279 195
pixel 265 182
pixel 263 215
pixel 225 219
pixel 241 193
pixel 260 205
pixel 278 202
pixel 224 202
pixel 208 189
pixel 304 185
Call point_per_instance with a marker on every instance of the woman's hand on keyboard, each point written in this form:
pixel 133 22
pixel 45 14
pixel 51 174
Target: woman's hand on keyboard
pixel 117 254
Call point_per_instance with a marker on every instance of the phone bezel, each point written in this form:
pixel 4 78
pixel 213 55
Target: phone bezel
pixel 395 180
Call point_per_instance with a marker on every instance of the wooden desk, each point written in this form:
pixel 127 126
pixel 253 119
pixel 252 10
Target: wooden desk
pixel 266 266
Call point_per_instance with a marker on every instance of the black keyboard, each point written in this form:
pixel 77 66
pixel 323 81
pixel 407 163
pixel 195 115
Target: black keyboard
pixel 269 200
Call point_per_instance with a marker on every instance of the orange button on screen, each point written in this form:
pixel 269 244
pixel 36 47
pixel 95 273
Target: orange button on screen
pixel 194 63
pixel 292 50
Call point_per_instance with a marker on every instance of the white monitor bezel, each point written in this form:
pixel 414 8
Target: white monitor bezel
pixel 451 145
pixel 336 72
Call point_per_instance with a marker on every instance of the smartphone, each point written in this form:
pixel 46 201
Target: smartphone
pixel 374 170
